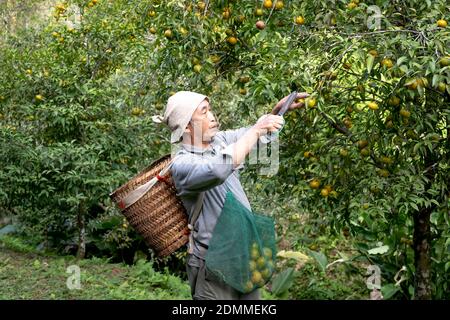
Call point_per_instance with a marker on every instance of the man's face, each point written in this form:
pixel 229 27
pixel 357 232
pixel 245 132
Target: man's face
pixel 203 125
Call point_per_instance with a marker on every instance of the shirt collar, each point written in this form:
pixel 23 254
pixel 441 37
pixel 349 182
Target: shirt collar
pixel 195 149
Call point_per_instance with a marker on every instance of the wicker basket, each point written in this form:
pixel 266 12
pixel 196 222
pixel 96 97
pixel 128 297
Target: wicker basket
pixel 159 215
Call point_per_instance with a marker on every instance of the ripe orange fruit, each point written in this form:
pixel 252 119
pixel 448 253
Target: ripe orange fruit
pixel 386 160
pixel 330 75
pixel 441 23
pixel 268 4
pixel 201 5
pixel 352 5
pixel 259 12
pixel 279 5
pixel 324 192
pixel 136 111
pixel 183 31
pixel 168 34
pixel 373 105
pixel 300 100
pixel 248 286
pixel 307 154
pixel 151 13
pixel 266 274
pixel 39 97
pixel 299 20
pixel 241 18
pixel 384 173
pixel 348 123
pixel 405 113
pixel 232 40
pixel 261 262
pixel 444 61
pixel 365 152
pixel 254 253
pixel 314 184
pixel 394 101
pixel 197 68
pixel 243 91
pixel 312 103
pixel 387 63
pixel 226 13
pixel 412 85
pixel 257 277
pixel 267 253
pixel 362 144
pixel 373 52
pixel 244 79
pixel 442 87
pixel 60 7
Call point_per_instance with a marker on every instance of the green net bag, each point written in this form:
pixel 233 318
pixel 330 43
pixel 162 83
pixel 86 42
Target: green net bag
pixel 242 249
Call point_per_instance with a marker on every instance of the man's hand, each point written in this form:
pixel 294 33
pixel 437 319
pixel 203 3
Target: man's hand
pixel 268 122
pixel 244 145
pixel 297 104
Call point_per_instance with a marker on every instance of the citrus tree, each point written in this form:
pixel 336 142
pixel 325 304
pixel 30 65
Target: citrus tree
pixel 370 149
pixel 72 123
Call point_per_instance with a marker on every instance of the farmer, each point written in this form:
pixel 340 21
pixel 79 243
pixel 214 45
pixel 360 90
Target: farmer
pixel 208 160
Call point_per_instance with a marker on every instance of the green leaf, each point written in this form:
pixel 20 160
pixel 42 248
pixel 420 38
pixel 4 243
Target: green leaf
pixel 320 258
pixel 401 60
pixel 283 281
pixel 296 255
pixel 379 250
pixel 389 290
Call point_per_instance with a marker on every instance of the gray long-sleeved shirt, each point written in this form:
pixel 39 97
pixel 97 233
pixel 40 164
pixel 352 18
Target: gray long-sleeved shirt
pixel 196 170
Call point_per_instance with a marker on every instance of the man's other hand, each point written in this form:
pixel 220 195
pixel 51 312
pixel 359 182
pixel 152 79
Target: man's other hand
pixel 298 103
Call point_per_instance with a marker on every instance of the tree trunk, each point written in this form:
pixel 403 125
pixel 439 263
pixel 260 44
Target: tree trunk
pixel 422 238
pixel 81 252
pixel 422 254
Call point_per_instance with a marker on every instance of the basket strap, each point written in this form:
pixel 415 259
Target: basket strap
pixel 140 191
pixel 193 220
pixel 196 214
